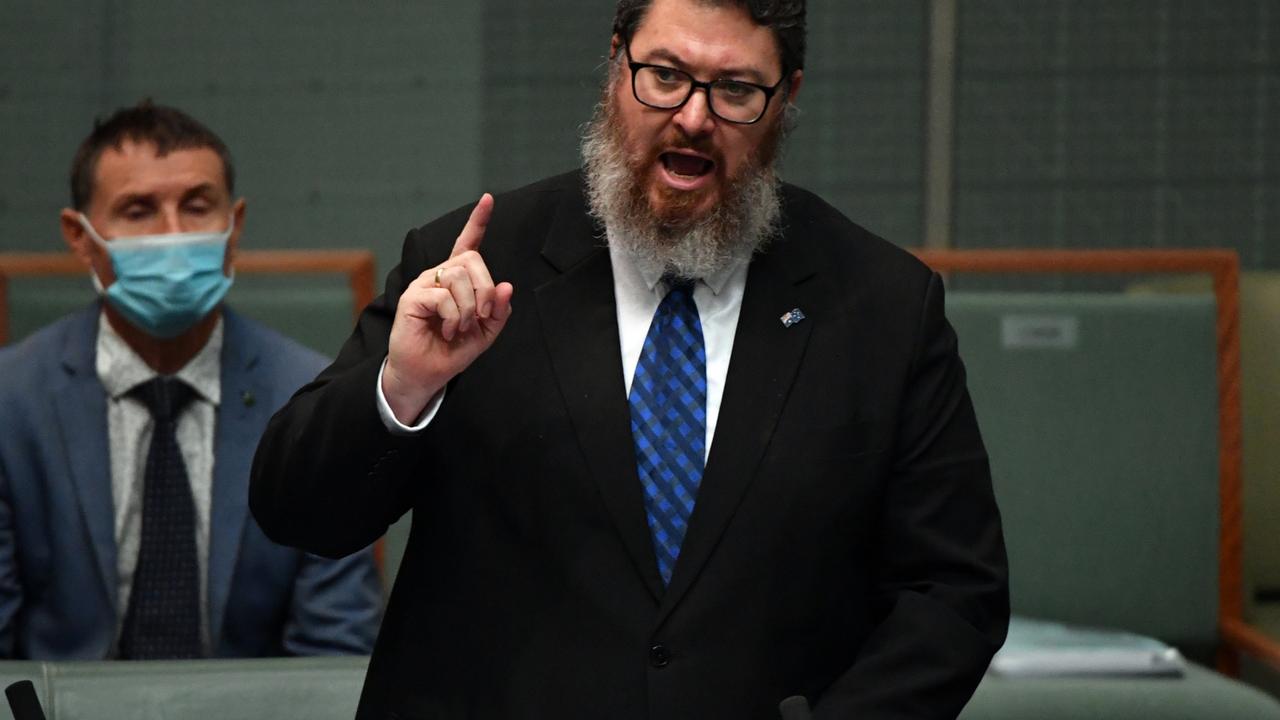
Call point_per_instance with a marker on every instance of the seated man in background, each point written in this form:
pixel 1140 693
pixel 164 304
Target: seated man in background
pixel 129 428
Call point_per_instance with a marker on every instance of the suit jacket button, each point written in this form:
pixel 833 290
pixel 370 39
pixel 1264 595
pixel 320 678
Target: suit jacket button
pixel 659 656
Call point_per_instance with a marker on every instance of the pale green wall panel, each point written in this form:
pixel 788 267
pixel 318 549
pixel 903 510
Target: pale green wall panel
pixel 860 143
pixel 860 139
pixel 1135 123
pixel 349 122
pixel 543 64
pixel 51 64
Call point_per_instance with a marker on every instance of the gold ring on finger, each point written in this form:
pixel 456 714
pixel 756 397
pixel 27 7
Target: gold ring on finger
pixel 439 272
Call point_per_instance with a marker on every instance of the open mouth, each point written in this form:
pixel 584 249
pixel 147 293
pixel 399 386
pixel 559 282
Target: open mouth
pixel 686 166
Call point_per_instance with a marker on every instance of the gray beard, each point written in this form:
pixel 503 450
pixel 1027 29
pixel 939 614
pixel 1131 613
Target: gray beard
pixel 699 247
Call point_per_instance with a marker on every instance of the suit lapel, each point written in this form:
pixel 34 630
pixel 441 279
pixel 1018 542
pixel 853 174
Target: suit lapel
pixel 580 323
pixel 578 313
pixel 766 356
pixel 81 408
pixel 235 438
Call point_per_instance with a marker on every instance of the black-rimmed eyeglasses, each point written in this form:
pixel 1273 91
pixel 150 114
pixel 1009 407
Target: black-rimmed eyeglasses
pixel 666 88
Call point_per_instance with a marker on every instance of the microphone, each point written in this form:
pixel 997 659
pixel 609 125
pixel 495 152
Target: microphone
pixel 23 701
pixel 795 707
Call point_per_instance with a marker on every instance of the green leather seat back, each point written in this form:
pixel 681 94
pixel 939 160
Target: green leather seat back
pixel 1100 416
pixel 315 310
pixel 36 302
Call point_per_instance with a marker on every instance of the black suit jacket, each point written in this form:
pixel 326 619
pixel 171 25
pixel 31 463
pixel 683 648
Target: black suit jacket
pixel 845 544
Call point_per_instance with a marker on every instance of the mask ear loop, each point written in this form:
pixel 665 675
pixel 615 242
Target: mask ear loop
pixel 231 228
pixel 88 226
pixel 98 287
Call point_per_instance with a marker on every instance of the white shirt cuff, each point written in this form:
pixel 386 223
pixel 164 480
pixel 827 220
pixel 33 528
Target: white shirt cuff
pixel 394 426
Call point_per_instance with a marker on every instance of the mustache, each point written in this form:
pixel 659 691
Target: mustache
pixel 680 141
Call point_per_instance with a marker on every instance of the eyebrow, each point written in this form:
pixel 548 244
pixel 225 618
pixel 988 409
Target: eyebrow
pixel 748 74
pixel 124 201
pixel 207 189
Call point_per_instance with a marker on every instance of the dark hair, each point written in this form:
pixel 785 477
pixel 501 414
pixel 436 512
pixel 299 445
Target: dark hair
pixel 785 17
pixel 165 127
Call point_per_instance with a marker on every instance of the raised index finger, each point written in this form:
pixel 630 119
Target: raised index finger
pixel 473 232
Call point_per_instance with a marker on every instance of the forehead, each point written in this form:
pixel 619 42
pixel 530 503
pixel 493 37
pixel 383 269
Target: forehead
pixel 134 168
pixel 706 33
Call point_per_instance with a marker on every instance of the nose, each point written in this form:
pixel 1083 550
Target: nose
pixel 171 220
pixel 694 117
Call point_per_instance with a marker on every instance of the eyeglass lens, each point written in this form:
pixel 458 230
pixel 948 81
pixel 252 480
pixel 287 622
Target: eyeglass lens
pixel 669 88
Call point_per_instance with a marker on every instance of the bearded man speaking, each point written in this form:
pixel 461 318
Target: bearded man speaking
pixel 681 440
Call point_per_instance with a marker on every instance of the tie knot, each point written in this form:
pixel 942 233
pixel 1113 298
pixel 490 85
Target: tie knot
pixel 684 286
pixel 165 397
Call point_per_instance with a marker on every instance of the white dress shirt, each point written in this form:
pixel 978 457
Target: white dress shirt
pixel 637 296
pixel 719 298
pixel 129 429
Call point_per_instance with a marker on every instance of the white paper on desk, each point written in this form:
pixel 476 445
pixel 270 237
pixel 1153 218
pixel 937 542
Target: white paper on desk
pixel 1038 648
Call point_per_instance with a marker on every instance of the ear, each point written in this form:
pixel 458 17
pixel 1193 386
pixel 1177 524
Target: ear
pixel 615 44
pixel 82 245
pixel 233 242
pixel 793 87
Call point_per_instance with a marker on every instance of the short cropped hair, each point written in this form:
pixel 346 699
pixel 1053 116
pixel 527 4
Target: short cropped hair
pixel 785 17
pixel 166 128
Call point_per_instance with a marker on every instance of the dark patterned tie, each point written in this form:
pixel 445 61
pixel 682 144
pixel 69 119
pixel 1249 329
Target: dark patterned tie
pixel 163 619
pixel 669 420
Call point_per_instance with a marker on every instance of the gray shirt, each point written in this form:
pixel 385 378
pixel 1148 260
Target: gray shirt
pixel 129 428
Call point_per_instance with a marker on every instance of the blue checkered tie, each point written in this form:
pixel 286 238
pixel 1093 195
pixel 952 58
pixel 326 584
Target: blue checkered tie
pixel 669 420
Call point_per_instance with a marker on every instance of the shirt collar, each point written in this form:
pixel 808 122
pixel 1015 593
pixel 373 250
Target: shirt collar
pixel 716 281
pixel 121 369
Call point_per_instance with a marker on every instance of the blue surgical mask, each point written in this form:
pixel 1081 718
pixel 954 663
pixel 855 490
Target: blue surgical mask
pixel 165 283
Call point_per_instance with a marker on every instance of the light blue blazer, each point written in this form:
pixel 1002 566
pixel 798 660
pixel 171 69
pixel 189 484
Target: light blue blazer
pixel 58 575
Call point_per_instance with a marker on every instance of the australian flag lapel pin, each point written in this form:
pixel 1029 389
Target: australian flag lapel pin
pixel 791 317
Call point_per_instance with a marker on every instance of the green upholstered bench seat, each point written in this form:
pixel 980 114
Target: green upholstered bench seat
pixel 12 671
pixel 1201 694
pixel 265 689
pixel 328 689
